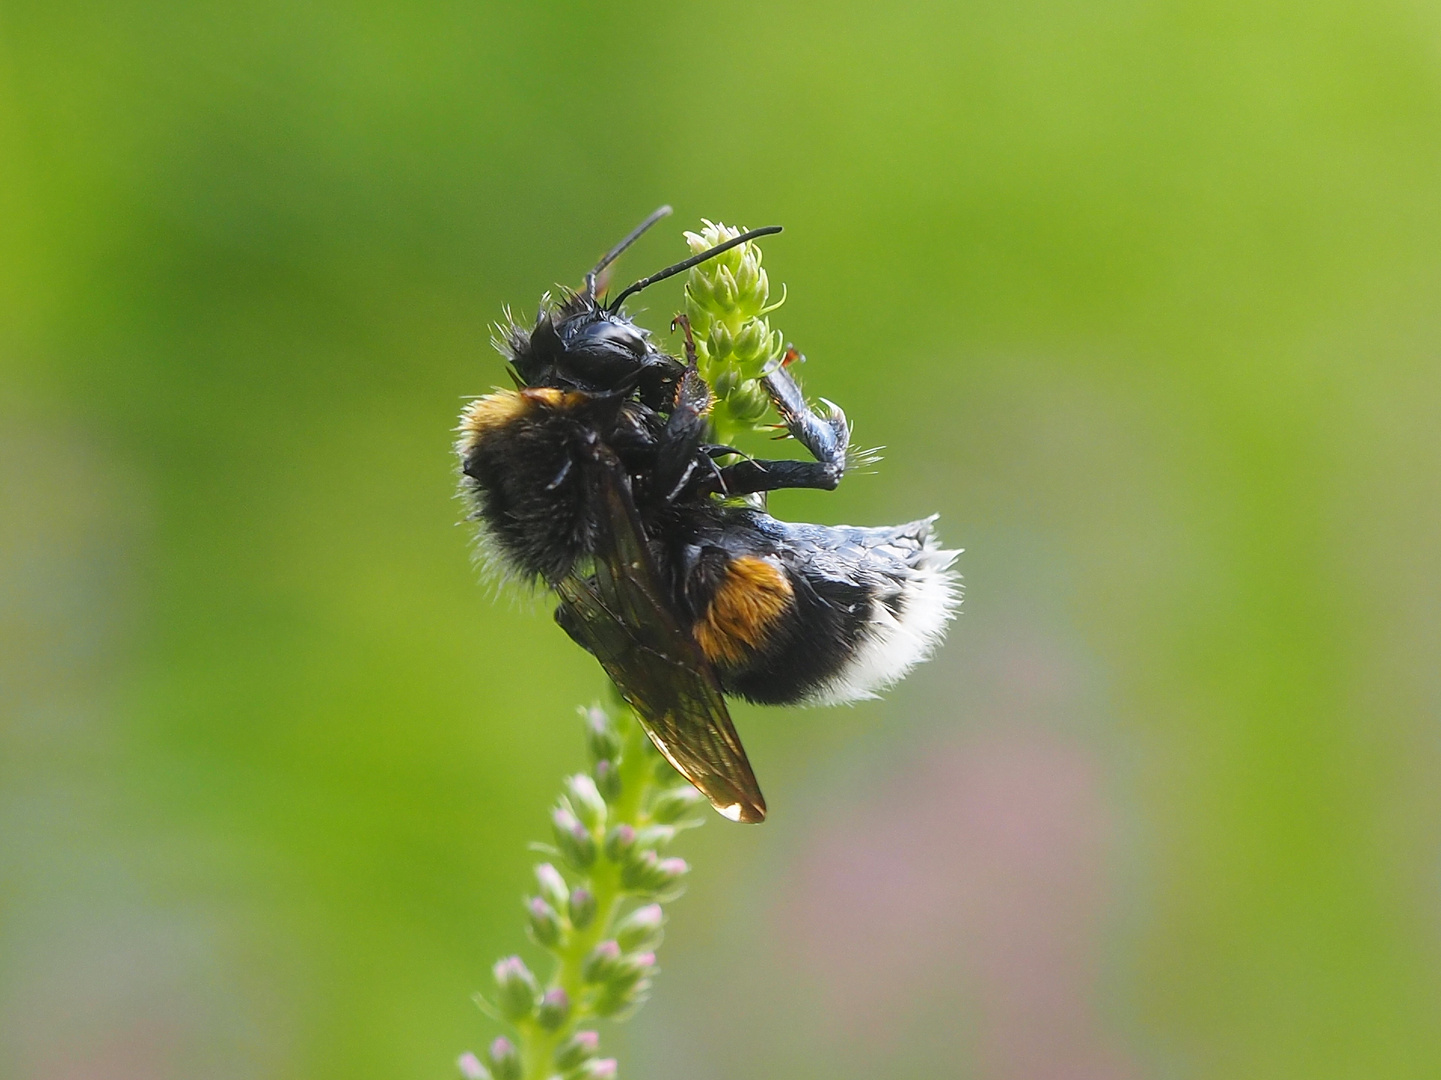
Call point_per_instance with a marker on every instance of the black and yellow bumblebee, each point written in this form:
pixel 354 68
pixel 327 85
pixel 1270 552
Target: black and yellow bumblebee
pixel 598 476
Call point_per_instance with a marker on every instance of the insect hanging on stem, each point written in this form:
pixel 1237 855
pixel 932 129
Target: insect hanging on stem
pixel 599 475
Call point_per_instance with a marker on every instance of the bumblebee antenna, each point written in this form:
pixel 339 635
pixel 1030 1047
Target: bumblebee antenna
pixel 615 252
pixel 694 260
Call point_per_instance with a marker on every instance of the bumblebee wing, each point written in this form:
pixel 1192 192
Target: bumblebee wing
pixel 622 615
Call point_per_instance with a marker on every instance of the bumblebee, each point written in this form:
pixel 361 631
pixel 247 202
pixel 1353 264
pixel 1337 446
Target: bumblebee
pixel 598 477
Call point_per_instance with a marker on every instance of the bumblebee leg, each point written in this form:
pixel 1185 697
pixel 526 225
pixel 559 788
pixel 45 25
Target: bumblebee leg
pixel 826 437
pixel 755 475
pixel 678 451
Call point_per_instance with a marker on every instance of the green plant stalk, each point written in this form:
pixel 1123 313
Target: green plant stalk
pixel 537 1046
pixel 610 825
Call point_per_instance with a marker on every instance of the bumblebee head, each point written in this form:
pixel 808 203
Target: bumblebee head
pixel 580 345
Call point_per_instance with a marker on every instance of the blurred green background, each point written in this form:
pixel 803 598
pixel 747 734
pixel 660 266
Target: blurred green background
pixel 1142 297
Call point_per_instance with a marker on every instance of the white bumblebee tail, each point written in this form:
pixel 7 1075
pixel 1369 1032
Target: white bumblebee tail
pixel 914 594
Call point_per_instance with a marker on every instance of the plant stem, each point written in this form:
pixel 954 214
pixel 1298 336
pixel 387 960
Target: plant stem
pixel 636 779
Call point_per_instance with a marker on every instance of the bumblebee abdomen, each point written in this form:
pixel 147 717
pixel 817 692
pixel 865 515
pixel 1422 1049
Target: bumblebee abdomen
pixel 517 460
pixel 821 614
pixel 808 644
pixel 750 600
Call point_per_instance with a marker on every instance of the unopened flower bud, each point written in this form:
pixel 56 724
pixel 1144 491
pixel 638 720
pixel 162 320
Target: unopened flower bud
pixel 649 873
pixel 607 780
pixel 654 837
pixel 700 319
pixel 582 908
pixel 572 838
pixel 719 341
pixel 725 288
pixel 553 1010
pixel 596 1069
pixel 751 341
pixel 600 736
pixel 637 872
pixel 471 1068
pixel 585 799
pixel 544 923
pixel 505 1060
pixel 515 988
pixel 746 276
pixel 631 970
pixel 725 381
pixel 641 929
pixel 580 1047
pixel 601 963
pixel 618 843
pixel 552 885
pixel 698 286
pixel 675 803
pixel 615 1003
pixel 731 258
pixel 750 401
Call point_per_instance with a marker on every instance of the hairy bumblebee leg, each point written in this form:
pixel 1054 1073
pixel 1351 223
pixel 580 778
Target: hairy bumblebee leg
pixel 756 475
pixel 680 443
pixel 718 474
pixel 692 393
pixel 826 437
pixel 683 321
pixel 687 469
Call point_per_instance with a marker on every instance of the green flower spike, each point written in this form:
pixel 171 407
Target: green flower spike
pixel 727 299
pixel 599 915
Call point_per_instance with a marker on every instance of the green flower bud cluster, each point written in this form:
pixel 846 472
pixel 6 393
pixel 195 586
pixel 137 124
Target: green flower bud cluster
pixel 610 829
pixel 727 299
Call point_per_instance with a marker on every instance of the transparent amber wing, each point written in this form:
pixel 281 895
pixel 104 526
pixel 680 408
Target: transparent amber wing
pixel 624 618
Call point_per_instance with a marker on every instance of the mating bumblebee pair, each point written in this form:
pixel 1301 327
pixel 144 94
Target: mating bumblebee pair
pixel 599 476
